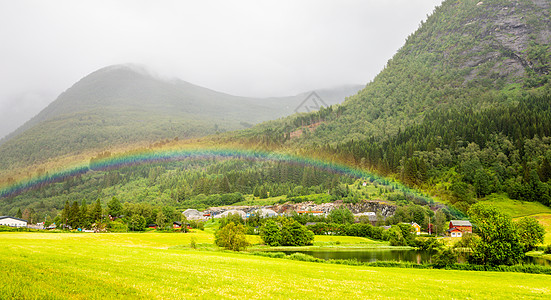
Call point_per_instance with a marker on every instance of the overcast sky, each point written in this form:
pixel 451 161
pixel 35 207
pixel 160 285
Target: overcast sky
pixel 246 48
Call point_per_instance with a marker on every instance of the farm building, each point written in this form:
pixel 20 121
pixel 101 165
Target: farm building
pixel 455 232
pixel 241 213
pixel 464 226
pixel 265 213
pixel 12 222
pixel 193 214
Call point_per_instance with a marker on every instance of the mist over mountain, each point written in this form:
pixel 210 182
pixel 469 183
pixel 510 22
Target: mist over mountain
pixel 463 109
pixel 125 104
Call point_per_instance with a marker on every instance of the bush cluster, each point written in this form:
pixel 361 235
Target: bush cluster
pixel 285 232
pixel 361 230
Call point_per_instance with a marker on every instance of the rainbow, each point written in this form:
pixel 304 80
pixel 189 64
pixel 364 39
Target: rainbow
pixel 167 155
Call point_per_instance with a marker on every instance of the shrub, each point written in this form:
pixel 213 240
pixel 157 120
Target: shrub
pixel 445 258
pixel 137 223
pixel 531 232
pixel 269 232
pixel 232 237
pixel 285 232
pixel 197 224
pixel 499 242
pixel 341 216
pixel 270 254
pixel 547 249
pixel 304 257
pixel 429 244
pixel 235 218
pixel 117 226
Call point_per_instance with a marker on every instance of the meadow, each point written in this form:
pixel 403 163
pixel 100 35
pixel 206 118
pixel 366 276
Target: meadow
pixel 516 208
pixel 163 266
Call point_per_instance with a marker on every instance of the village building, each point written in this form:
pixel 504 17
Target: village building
pixel 416 228
pixel 463 225
pixel 193 214
pixel 454 232
pixel 459 227
pixel 264 213
pixel 12 222
pixel 240 213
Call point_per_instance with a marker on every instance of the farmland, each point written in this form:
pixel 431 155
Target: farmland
pixel 162 266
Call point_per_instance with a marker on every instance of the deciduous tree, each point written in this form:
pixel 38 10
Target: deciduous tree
pixel 499 242
pixel 232 237
pixel 531 232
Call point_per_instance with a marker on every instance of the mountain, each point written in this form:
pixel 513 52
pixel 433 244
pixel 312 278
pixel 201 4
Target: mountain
pixel 125 104
pixel 466 55
pixel 462 110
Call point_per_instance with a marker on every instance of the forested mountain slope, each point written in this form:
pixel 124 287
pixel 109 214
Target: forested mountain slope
pixel 462 109
pixel 125 104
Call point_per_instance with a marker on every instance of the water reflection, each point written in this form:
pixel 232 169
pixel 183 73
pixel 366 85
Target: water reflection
pixel 372 255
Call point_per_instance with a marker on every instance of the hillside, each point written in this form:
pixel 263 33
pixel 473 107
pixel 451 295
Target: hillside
pixel 468 54
pixel 462 110
pixel 125 104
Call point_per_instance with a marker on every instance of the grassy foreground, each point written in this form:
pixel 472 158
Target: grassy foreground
pixel 99 266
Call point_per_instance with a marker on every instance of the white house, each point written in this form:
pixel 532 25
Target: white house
pixel 265 213
pixel 241 213
pixel 12 222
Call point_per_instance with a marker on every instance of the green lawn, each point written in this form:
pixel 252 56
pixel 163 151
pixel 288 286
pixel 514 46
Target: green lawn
pixel 143 266
pixel 516 208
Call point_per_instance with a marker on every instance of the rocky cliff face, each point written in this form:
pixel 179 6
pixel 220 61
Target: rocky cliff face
pixel 385 209
pixel 507 37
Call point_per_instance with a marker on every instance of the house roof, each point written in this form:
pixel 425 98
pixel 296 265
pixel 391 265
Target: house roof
pixel 192 213
pixel 265 212
pixel 460 223
pixel 453 229
pixel 5 217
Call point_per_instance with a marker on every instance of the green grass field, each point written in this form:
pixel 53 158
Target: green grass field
pixel 516 208
pixel 148 266
pixel 545 220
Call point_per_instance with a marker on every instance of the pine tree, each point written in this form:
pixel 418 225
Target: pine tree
pixel 84 216
pixel 224 185
pixel 74 215
pixel 65 213
pixel 96 211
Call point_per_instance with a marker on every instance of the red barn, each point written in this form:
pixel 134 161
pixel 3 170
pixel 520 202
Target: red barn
pixel 464 226
pixel 454 232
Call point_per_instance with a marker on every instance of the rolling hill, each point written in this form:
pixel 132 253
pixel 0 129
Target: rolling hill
pixel 124 104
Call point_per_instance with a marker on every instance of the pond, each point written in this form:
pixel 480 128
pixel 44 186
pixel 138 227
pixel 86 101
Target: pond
pixel 371 255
